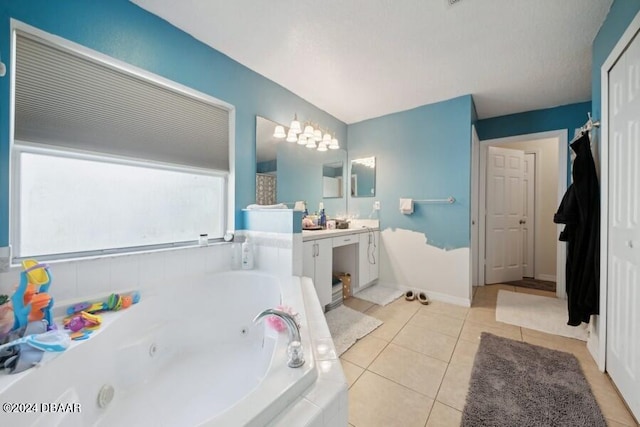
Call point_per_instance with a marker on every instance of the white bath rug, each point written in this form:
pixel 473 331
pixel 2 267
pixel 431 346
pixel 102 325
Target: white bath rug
pixel 347 326
pixel 379 294
pixel 543 314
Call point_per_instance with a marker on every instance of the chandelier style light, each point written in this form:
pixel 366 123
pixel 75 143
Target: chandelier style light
pixel 311 137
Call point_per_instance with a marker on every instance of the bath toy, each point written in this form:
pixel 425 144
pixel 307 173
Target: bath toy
pixel 55 341
pixel 31 301
pixel 278 324
pixel 77 308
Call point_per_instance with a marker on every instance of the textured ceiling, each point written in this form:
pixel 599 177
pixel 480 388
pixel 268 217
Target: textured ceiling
pixel 360 59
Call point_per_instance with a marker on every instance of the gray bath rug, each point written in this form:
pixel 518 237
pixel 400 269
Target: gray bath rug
pixel 518 384
pixel 379 294
pixel 347 326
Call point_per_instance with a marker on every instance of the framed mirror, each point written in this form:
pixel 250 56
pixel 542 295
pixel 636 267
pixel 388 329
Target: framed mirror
pixel 363 177
pixel 332 180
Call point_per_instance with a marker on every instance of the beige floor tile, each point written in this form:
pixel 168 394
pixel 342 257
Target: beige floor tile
pixel 451 310
pixel 397 311
pixel 464 353
pixel 431 343
pixel 471 331
pixel 486 301
pixel 364 351
pixel 375 401
pixel 444 416
pixel 388 330
pixel 358 304
pixel 351 371
pixel 453 391
pixel 613 408
pixel 540 292
pixel 612 423
pixel 437 322
pixel 411 369
pixel 493 289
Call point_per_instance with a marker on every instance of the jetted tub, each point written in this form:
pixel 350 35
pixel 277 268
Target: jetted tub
pixel 191 356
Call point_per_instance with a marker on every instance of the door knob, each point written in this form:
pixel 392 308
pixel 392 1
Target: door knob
pixel 522 221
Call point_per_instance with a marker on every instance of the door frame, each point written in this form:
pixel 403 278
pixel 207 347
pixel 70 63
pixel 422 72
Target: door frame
pixel 598 337
pixel 561 138
pixel 536 208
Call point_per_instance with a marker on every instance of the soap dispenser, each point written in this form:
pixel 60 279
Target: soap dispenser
pixel 247 255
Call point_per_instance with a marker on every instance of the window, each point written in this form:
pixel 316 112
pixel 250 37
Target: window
pixel 108 157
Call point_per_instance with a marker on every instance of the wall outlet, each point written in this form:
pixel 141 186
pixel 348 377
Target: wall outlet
pixel 376 205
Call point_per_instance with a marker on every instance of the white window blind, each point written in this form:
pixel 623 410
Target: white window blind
pixel 72 101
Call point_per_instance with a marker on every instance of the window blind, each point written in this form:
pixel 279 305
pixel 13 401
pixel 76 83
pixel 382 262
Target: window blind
pixel 73 101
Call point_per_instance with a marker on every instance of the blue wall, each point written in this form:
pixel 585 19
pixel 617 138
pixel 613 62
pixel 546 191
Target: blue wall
pixel 620 16
pixel 568 117
pixel 120 29
pixel 422 153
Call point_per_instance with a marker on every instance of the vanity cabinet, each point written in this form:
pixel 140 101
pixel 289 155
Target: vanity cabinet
pixel 368 258
pixel 317 260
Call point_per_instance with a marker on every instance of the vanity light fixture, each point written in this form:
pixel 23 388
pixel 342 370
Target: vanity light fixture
pixel 311 137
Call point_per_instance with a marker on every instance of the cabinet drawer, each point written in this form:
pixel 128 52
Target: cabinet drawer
pixel 345 240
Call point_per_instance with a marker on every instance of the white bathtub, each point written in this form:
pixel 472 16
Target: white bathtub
pixel 187 357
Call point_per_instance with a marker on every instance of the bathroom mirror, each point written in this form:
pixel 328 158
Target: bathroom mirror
pixel 287 172
pixel 363 177
pixel 332 180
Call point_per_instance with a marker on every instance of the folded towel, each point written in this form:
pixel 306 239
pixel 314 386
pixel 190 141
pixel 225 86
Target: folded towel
pixel 277 206
pixel 406 206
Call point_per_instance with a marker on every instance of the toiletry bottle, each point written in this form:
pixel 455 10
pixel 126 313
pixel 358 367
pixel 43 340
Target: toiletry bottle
pixel 323 219
pixel 247 255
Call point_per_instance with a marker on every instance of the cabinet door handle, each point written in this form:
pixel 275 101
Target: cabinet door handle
pixel 317 249
pixel 346 240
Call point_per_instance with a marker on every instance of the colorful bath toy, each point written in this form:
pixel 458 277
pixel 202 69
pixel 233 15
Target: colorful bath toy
pixel 53 341
pixel 30 301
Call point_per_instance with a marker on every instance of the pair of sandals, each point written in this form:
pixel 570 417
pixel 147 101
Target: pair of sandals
pixel 421 296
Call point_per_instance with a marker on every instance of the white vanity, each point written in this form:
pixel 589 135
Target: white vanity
pixel 354 250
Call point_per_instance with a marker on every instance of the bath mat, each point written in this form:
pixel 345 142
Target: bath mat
pixel 543 314
pixel 518 384
pixel 379 294
pixel 347 326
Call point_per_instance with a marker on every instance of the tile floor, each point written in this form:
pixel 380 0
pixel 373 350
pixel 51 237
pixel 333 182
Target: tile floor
pixel 414 370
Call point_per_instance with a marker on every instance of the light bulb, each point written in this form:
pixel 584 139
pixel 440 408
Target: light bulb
pixel 308 131
pixel 311 143
pixel 302 140
pixel 317 135
pixel 291 136
pixel 295 125
pixel 279 132
pixel 322 147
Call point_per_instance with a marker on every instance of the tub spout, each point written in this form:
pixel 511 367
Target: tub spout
pixel 294 349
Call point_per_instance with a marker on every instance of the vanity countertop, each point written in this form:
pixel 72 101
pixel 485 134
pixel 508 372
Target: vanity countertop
pixel 325 234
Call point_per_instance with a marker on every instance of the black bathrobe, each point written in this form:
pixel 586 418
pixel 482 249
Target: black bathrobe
pixel 580 211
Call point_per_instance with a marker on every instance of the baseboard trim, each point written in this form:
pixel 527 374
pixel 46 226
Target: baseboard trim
pixel 547 277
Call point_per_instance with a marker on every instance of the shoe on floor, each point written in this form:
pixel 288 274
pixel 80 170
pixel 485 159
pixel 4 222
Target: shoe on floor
pixel 423 298
pixel 409 295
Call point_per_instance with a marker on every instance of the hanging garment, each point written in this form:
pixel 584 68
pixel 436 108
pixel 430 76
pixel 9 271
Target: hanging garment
pixel 580 211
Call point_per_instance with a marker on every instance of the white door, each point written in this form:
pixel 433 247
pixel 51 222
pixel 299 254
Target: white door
pixel 623 289
pixel 504 215
pixel 528 218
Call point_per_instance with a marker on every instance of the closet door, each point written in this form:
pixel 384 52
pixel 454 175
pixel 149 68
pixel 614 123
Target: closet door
pixel 623 290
